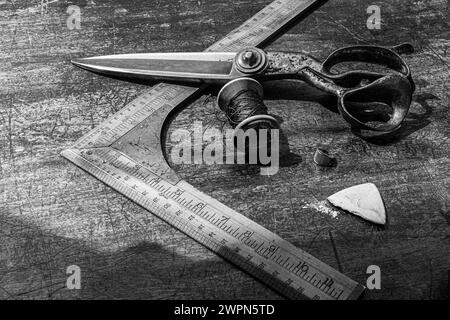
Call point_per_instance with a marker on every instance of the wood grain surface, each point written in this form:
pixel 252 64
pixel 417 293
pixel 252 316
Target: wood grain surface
pixel 53 215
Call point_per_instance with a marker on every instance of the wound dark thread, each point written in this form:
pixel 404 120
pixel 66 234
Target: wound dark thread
pixel 245 104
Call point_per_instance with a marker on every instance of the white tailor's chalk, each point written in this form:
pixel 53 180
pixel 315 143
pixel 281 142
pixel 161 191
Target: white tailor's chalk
pixel 364 200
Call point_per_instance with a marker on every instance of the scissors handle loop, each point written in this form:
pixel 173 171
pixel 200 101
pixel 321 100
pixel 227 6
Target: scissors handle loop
pixel 386 57
pixel 371 100
pixel 380 105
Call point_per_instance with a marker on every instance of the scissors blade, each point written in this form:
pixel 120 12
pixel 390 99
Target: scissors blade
pixel 176 66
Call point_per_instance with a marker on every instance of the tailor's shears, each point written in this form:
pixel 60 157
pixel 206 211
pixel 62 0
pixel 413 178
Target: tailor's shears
pixel 390 90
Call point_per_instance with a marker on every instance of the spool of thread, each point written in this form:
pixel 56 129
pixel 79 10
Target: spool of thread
pixel 242 101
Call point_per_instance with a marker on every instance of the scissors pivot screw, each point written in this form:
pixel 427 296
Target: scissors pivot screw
pixel 251 60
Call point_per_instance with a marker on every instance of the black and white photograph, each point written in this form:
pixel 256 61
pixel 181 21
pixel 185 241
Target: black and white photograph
pixel 225 155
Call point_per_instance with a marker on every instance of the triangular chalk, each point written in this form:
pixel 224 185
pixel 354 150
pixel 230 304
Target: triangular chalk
pixel 363 200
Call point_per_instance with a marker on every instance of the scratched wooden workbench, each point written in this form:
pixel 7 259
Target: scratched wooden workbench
pixel 54 215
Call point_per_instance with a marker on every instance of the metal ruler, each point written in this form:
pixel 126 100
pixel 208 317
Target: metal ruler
pixel 125 152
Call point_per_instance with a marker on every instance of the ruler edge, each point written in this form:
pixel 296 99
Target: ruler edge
pixel 356 289
pixel 331 270
pixel 66 155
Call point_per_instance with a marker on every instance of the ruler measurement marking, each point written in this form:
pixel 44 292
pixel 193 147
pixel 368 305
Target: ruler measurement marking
pixel 253 244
